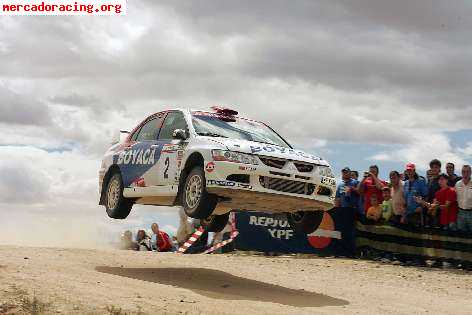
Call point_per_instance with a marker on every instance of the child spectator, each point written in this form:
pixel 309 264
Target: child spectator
pixel 374 213
pixel 445 201
pixel 355 175
pixel 371 185
pixel 415 189
pixel 387 208
pixel 453 178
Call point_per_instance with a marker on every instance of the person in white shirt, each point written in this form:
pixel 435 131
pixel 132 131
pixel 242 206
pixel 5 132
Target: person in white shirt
pixel 464 199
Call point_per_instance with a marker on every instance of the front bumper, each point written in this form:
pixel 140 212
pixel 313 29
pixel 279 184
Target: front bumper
pixel 265 202
pixel 255 194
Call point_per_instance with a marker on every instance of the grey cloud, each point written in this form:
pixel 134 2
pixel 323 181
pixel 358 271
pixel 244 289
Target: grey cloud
pixel 205 52
pixel 20 109
pixel 22 184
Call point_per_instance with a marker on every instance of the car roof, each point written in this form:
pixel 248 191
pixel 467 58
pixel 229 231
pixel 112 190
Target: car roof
pixel 190 110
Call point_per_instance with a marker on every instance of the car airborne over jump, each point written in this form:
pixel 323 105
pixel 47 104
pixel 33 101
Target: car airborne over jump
pixel 211 163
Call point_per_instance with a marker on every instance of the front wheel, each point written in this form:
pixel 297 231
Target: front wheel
pixel 196 201
pixel 305 221
pixel 215 223
pixel 117 206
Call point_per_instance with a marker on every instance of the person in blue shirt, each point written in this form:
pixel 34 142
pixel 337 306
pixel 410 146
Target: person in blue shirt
pixel 346 193
pixel 415 191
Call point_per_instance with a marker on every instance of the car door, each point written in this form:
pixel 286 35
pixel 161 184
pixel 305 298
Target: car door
pixel 169 163
pixel 141 154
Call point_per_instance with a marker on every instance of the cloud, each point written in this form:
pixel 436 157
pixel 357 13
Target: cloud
pixel 425 147
pixel 21 109
pixel 23 184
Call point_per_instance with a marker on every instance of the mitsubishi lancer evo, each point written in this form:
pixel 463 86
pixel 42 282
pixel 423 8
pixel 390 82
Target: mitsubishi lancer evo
pixel 212 162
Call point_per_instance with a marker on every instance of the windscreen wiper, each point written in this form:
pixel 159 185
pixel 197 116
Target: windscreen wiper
pixel 211 134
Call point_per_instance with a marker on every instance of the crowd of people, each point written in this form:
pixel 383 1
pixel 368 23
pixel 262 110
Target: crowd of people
pixel 157 240
pixel 437 201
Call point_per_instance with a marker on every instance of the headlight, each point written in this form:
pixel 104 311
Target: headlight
pixel 236 157
pixel 325 171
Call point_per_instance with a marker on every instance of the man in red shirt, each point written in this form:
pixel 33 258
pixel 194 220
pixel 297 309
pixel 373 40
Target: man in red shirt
pixel 160 240
pixel 371 185
pixel 445 201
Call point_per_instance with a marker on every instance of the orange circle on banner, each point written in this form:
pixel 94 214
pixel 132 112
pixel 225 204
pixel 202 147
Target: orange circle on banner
pixel 321 242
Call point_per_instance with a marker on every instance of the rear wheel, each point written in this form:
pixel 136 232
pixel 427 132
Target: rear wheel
pixel 305 221
pixel 215 223
pixel 117 206
pixel 196 201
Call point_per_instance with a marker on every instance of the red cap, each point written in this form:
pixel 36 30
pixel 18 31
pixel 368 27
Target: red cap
pixel 410 166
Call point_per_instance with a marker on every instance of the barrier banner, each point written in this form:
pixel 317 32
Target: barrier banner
pixel 423 242
pixel 272 233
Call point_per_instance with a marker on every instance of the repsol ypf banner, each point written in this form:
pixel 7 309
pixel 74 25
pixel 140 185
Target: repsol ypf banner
pixel 427 243
pixel 272 233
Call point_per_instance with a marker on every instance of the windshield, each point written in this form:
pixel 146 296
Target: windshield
pixel 213 125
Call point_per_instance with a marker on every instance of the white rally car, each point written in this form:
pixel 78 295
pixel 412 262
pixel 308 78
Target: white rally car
pixel 211 163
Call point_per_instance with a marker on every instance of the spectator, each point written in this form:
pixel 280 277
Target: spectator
pixel 186 227
pixel 464 199
pixel 143 241
pixel 160 240
pixel 453 178
pixel 355 175
pixel 374 213
pixel 199 245
pixel 127 241
pixel 415 190
pixel 387 208
pixel 346 193
pixel 433 178
pixel 398 198
pixel 445 201
pixel 371 185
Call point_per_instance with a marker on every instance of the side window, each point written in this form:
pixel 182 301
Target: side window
pixel 148 131
pixel 174 120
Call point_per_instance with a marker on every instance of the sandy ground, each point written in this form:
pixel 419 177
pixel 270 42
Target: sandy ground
pixel 77 281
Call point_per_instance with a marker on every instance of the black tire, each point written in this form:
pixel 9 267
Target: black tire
pixel 119 207
pixel 198 205
pixel 305 221
pixel 215 223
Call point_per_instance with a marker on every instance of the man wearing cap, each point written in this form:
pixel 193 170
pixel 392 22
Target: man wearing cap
pixel 415 190
pixel 464 199
pixel 346 193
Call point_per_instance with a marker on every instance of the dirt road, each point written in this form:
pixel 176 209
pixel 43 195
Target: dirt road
pixel 123 282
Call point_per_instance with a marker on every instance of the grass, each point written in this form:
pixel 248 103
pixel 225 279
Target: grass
pixel 33 305
pixel 114 310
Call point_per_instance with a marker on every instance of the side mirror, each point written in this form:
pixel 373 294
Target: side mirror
pixel 180 134
pixel 120 137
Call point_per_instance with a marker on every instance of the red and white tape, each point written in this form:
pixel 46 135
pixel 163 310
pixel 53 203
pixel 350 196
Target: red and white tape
pixel 195 236
pixel 223 243
pixel 234 234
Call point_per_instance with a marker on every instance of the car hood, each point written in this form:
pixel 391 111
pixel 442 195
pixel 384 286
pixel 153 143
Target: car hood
pixel 269 150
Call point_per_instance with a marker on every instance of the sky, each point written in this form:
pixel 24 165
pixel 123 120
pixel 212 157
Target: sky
pixel 356 82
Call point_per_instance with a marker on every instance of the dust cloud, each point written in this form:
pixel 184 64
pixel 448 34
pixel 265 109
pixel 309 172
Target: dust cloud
pixel 31 229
